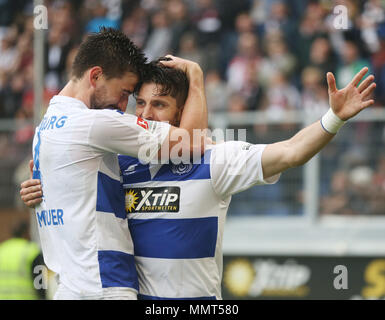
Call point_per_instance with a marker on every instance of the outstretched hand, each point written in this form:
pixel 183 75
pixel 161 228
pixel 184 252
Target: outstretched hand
pixel 349 101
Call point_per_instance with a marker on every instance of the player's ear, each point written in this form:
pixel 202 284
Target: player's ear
pixel 95 73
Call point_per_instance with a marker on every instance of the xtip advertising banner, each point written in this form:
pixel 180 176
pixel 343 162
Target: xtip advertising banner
pixel 303 278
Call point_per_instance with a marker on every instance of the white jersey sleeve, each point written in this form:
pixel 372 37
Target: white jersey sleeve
pixel 126 134
pixel 236 166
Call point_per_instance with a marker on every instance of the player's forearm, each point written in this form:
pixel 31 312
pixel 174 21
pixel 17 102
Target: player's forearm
pixel 195 110
pixel 296 151
pixel 307 143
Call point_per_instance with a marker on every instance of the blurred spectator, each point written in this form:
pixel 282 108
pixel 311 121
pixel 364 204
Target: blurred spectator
pixel 180 23
pixel 229 10
pixel 9 10
pixel 136 26
pixel 360 179
pixel 259 11
pixel 247 58
pixel 378 195
pixel 314 93
pixel 12 95
pixel 57 50
pixel 8 50
pixel 311 26
pixel 277 59
pixel 352 62
pixel 373 15
pixel 378 63
pixel 217 94
pixel 158 42
pixel 322 56
pixel 18 259
pixel 281 96
pixel 280 21
pixel 230 38
pixel 207 22
pixel 337 202
pixel 208 25
pixel 237 103
pixel 99 16
pixel 68 63
pixel 188 50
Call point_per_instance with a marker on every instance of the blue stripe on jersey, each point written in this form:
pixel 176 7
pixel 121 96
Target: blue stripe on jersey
pixel 198 172
pixel 117 269
pixel 110 196
pixel 36 161
pixel 174 238
pixel 133 171
pixel 145 297
pixel 183 172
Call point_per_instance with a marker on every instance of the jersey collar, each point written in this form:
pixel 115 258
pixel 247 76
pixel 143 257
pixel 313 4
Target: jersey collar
pixel 68 100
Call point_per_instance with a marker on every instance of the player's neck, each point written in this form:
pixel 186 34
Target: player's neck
pixel 76 90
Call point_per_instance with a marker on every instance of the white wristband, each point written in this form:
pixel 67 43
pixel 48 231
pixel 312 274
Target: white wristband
pixel 330 122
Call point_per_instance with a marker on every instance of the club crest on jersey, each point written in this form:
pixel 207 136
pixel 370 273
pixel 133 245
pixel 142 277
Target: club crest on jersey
pixel 181 168
pixel 157 199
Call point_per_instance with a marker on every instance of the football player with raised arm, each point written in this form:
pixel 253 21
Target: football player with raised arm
pixel 82 222
pixel 176 212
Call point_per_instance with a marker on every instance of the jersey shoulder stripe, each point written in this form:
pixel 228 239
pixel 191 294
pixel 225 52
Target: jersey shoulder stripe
pixel 135 172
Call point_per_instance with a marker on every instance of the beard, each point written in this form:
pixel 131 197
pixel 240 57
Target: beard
pixel 97 100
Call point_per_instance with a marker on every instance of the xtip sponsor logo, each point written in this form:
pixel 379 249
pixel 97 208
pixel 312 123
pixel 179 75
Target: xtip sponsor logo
pixel 157 199
pixel 267 278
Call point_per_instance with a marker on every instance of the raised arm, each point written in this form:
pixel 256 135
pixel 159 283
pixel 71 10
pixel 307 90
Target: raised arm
pixel 194 116
pixel 344 104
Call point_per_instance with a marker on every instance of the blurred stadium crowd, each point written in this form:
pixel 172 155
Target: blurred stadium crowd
pixel 256 55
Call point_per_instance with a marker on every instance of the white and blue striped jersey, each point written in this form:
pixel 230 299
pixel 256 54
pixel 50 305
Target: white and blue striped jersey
pixel 176 216
pixel 82 220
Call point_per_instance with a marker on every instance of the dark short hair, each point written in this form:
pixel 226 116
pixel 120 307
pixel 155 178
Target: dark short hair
pixel 111 50
pixel 170 81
